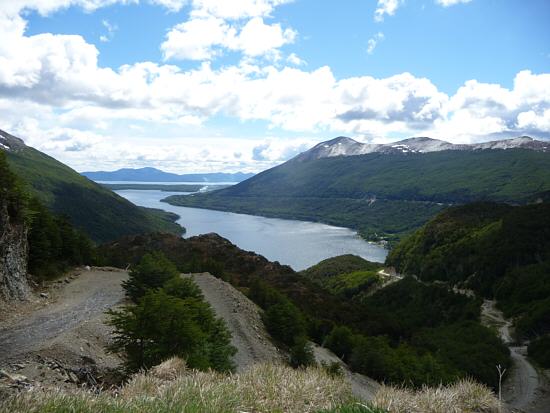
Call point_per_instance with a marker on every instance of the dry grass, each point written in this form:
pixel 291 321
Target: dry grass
pixel 171 387
pixel 462 397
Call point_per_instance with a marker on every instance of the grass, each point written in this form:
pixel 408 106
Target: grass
pixel 461 397
pixel 171 387
pixel 266 388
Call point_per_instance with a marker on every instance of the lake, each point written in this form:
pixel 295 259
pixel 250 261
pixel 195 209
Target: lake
pixel 299 244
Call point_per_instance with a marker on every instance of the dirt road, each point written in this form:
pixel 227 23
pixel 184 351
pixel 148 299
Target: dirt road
pixel 524 389
pixel 82 299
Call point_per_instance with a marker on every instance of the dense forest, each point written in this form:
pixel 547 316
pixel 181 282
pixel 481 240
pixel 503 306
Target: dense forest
pixel 54 244
pixel 497 250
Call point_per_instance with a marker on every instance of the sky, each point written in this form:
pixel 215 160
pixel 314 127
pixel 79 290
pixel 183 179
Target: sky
pixel 244 85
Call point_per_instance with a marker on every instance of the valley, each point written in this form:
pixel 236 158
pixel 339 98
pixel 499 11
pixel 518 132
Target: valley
pixel 299 244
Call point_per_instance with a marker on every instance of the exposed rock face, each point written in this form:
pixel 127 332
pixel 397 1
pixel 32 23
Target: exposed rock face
pixel 14 284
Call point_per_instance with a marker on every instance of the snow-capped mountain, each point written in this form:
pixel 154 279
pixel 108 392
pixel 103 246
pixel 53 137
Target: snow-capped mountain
pixel 343 146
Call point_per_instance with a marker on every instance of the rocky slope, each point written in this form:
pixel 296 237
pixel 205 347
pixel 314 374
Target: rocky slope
pixel 13 258
pixel 13 237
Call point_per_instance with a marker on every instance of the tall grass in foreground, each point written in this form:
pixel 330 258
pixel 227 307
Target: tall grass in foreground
pixel 266 388
pixel 172 388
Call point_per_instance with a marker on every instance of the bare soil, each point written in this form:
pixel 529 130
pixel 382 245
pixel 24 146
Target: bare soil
pixel 53 340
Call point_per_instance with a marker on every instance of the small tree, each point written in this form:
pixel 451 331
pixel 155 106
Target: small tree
pixel 161 326
pixel 285 322
pixel 153 271
pixel 341 341
pixel 182 288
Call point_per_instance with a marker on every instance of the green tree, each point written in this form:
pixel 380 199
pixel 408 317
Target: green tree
pixel 285 322
pixel 161 326
pixel 182 288
pixel 153 271
pixel 341 341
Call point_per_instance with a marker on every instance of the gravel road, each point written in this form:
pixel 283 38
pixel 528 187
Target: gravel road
pixel 524 390
pixel 86 296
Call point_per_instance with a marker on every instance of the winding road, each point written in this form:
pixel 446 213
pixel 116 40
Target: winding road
pixel 523 390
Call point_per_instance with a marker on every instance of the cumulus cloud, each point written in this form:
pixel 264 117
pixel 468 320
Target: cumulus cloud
pixel 53 91
pixel 386 7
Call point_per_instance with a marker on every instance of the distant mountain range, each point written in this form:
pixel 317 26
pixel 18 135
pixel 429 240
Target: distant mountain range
pixel 343 146
pixel 98 211
pixel 156 175
pixel 386 191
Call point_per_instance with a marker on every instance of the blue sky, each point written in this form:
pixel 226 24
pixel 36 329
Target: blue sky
pixel 203 85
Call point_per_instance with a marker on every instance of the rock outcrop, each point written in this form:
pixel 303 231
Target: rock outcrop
pixel 13 258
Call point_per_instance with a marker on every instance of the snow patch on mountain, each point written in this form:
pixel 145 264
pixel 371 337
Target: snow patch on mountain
pixel 344 146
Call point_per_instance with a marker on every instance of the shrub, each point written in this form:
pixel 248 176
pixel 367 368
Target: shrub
pixel 340 341
pixel 301 353
pixel 539 349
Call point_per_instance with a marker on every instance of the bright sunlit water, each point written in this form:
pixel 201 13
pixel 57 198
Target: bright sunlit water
pixel 296 243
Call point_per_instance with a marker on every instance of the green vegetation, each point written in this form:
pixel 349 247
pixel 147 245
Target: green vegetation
pixel 152 272
pixel 54 244
pixel 342 264
pixel 12 197
pixel 169 321
pixel 497 250
pixel 97 211
pixel 383 196
pixel 381 330
pixel 539 350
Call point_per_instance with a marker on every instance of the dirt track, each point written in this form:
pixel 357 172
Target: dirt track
pixel 524 390
pixel 70 306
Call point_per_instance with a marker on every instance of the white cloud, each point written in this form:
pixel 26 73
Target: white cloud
pixel 447 3
pixel 373 42
pixel 295 60
pixel 53 91
pixel 235 9
pixel 384 7
pixel 205 36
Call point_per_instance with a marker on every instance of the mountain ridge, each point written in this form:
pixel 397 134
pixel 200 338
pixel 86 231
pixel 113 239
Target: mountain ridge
pixel 344 146
pixel 149 174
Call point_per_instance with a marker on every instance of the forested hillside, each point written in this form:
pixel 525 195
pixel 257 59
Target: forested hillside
pixel 379 194
pixel 101 213
pixel 497 250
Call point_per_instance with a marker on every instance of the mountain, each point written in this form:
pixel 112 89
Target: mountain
pixel 99 212
pixel 391 191
pixel 156 175
pixel 343 146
